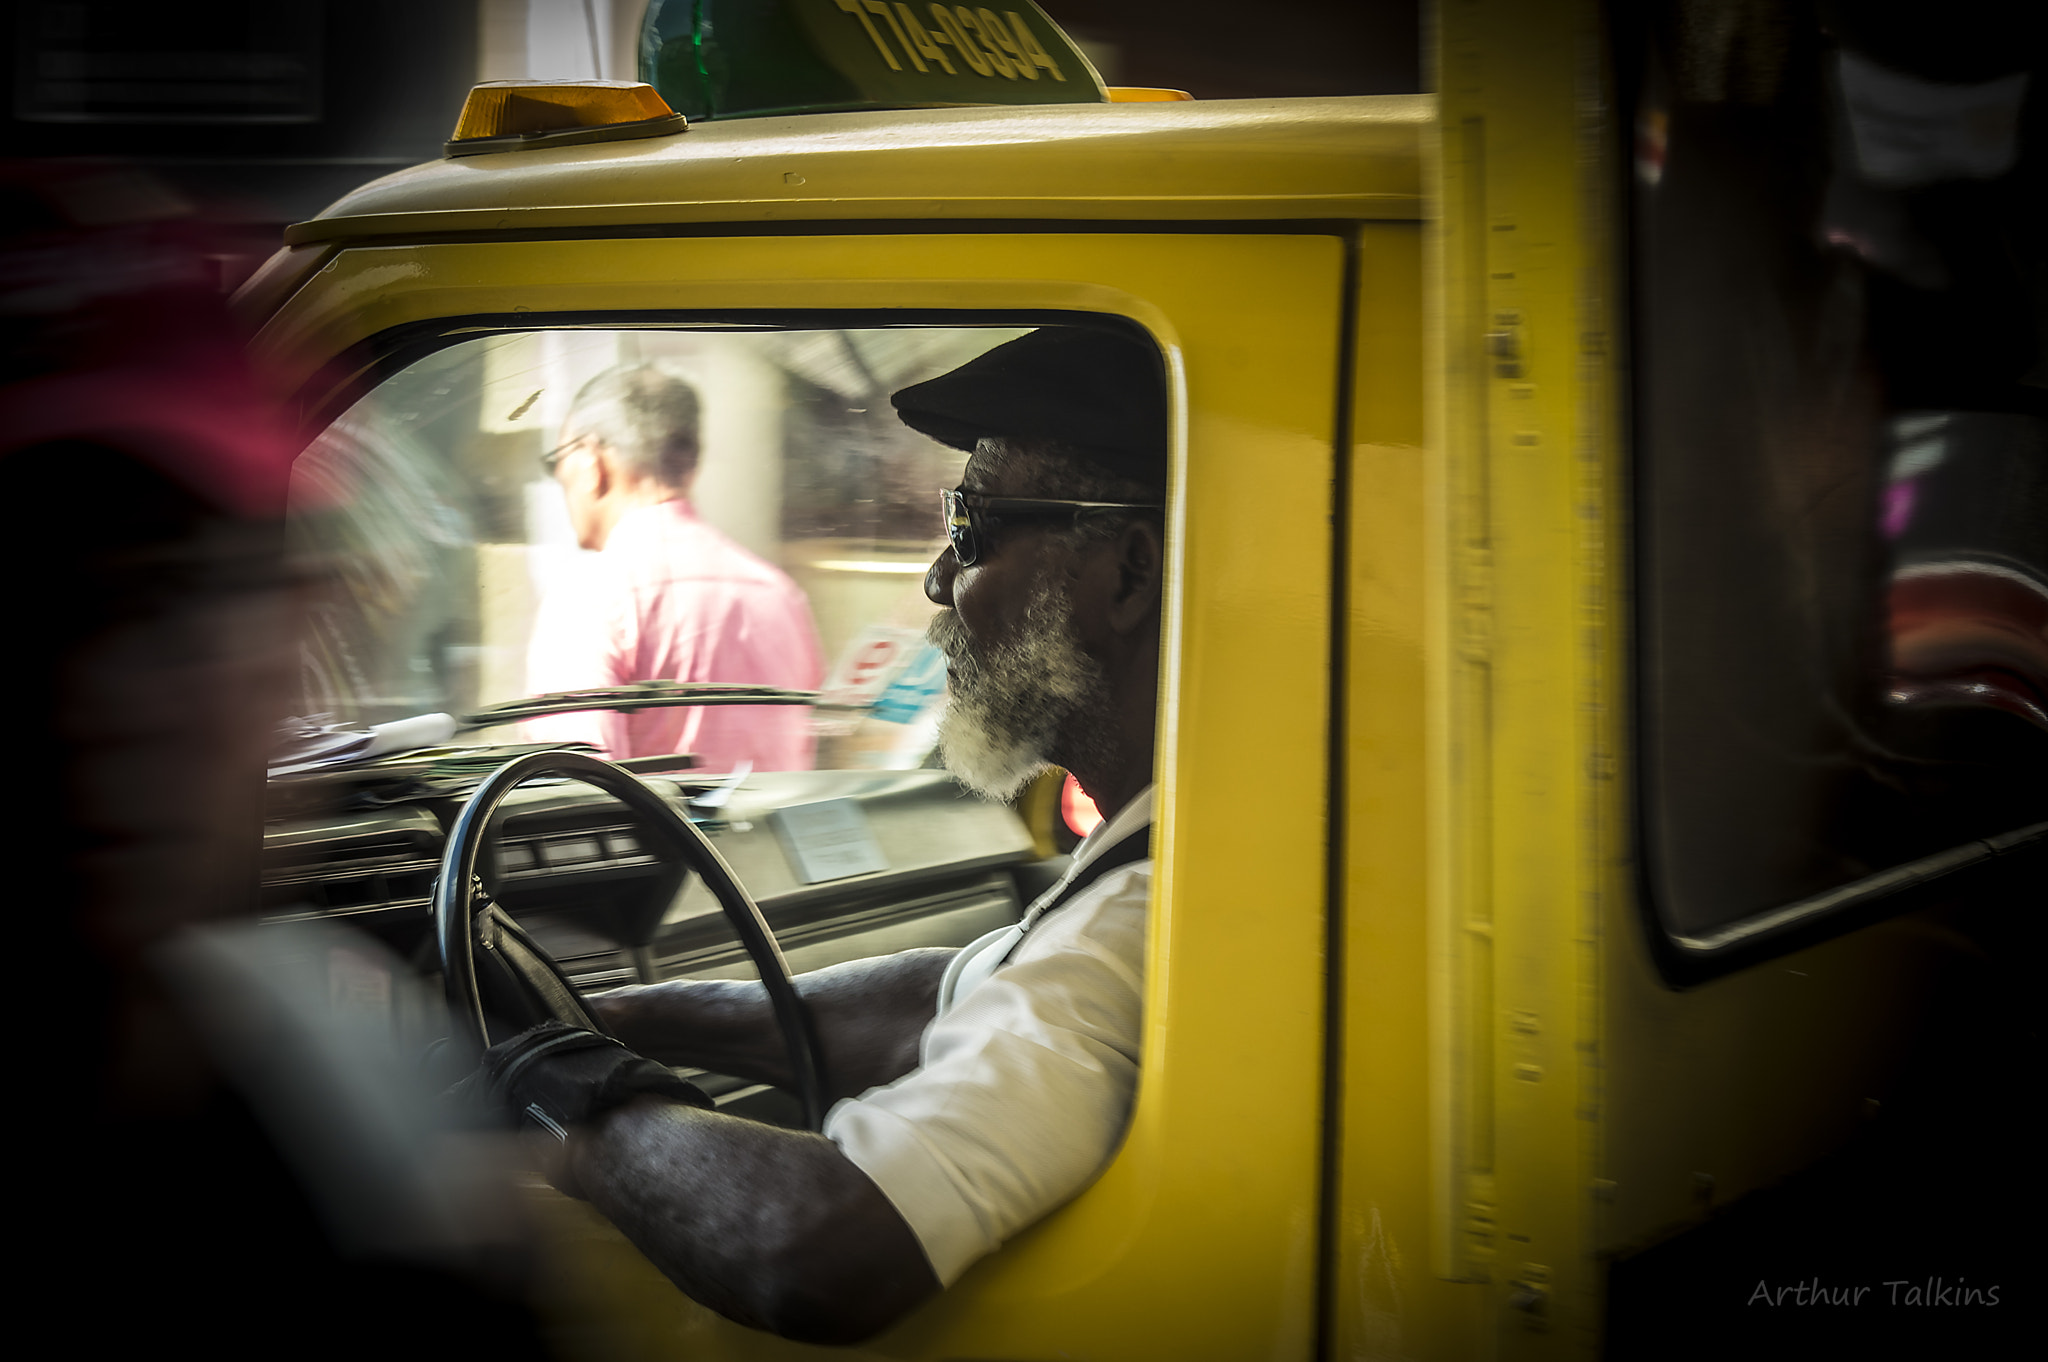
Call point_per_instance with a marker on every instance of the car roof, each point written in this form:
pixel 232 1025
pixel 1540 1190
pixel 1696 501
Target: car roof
pixel 1251 159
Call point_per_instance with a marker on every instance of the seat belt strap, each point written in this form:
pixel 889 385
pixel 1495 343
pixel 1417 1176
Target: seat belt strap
pixel 1132 847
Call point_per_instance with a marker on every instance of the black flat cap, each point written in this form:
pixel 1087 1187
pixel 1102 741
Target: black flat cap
pixel 1101 393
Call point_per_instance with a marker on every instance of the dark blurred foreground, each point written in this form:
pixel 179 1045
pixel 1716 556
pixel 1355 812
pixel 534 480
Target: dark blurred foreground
pixel 234 1136
pixel 1873 1253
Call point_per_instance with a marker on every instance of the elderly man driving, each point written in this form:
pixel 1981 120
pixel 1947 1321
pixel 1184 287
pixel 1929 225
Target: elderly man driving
pixel 980 1088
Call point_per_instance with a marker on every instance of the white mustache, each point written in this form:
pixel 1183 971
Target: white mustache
pixel 1010 698
pixel 949 636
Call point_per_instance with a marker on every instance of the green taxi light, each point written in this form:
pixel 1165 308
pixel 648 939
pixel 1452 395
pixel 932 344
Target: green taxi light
pixel 750 58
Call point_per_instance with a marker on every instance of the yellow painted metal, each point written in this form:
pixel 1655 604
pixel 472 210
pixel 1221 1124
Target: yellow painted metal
pixel 1481 670
pixel 1193 160
pixel 1523 665
pixel 1200 1239
pixel 1579 1106
pixel 1522 582
pixel 1386 1299
pixel 1532 656
pixel 275 280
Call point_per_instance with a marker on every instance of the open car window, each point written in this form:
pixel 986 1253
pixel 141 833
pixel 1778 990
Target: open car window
pixel 448 575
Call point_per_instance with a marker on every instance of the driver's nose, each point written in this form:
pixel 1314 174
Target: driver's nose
pixel 938 578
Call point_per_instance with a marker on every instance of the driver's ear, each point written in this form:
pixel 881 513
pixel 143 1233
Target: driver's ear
pixel 604 473
pixel 1140 566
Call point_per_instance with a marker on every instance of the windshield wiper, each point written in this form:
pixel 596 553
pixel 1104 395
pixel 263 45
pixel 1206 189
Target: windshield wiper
pixel 639 695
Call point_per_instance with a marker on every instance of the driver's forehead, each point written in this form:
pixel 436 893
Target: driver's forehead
pixel 996 470
pixel 984 469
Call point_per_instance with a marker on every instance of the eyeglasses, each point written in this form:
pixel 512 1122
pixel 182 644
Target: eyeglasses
pixel 549 460
pixel 971 518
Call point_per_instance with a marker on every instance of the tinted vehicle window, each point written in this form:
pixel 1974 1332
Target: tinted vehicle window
pixel 1839 289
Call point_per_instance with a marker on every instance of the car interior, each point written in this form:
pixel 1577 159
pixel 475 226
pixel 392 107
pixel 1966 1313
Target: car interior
pixel 434 545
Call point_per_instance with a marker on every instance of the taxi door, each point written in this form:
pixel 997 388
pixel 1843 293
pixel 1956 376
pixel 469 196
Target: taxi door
pixel 1201 1238
pixel 1629 933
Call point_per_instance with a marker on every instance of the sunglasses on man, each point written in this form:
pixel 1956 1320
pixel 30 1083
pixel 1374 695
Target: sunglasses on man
pixel 972 518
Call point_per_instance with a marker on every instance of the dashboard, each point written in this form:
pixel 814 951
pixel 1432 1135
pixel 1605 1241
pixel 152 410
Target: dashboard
pixel 844 865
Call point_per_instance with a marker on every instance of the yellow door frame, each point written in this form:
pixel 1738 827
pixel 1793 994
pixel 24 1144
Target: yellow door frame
pixel 1200 1240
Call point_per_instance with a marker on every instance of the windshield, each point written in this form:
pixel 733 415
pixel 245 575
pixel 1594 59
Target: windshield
pixel 560 510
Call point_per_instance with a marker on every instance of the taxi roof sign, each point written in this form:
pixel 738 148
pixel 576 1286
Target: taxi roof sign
pixel 715 59
pixel 512 115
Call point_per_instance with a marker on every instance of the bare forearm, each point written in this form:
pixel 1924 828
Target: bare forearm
pixel 774 1228
pixel 869 1015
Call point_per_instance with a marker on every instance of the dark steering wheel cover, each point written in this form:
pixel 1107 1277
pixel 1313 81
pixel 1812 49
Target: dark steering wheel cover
pixel 456 927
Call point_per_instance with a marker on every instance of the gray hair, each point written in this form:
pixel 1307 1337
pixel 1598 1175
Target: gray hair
pixel 647 415
pixel 1052 469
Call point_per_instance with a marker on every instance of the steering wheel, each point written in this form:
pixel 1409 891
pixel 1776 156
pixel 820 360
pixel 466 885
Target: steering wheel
pixel 466 936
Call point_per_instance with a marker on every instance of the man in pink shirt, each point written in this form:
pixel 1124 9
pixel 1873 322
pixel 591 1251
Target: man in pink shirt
pixel 671 598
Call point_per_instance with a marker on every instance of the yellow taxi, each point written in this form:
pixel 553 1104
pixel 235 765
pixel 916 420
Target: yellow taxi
pixel 1602 692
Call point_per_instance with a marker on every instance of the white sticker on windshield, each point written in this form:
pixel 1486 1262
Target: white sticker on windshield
pixel 1910 131
pixel 828 840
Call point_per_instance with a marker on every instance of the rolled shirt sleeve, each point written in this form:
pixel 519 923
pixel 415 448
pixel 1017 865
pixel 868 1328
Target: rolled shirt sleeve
pixel 1025 1085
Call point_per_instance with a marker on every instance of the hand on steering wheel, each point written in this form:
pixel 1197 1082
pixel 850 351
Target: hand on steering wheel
pixel 464 935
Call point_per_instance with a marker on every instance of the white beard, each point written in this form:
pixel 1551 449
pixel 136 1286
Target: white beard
pixel 1007 709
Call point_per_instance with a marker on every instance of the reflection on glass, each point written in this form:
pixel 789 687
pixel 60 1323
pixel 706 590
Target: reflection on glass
pixel 1841 371
pixel 716 506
